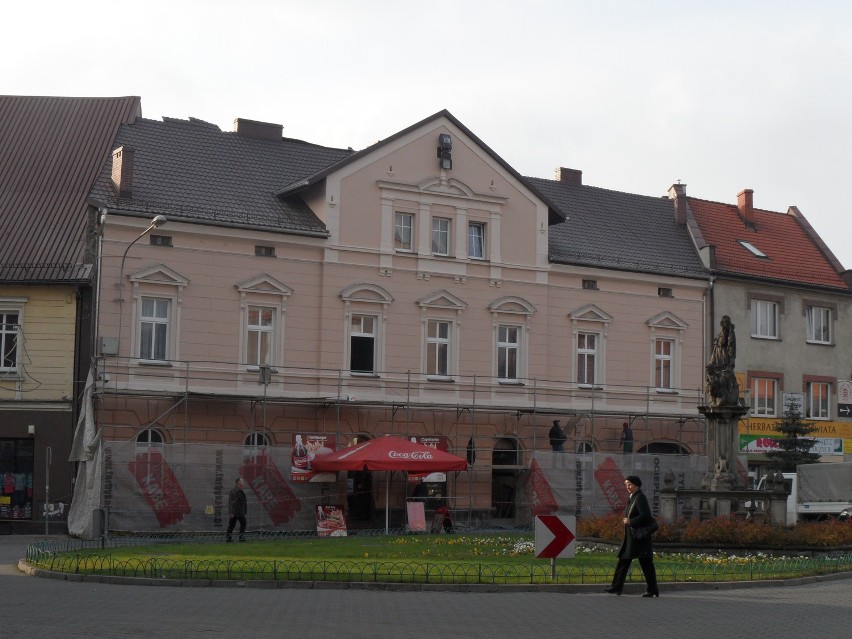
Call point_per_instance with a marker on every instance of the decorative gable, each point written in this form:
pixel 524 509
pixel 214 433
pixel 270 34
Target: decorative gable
pixel 442 299
pixel 159 274
pixel 590 313
pixel 366 293
pixel 512 304
pixel 667 320
pixel 264 283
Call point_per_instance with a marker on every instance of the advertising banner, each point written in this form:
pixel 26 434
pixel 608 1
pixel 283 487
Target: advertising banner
pixel 184 487
pixel 331 521
pixel 305 448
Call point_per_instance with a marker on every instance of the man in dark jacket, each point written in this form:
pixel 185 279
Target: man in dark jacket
pixel 237 509
pixel 557 437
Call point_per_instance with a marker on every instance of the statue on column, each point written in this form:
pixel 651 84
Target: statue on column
pixel 720 382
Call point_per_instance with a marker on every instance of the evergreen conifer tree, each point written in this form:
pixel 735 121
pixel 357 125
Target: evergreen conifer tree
pixel 794 446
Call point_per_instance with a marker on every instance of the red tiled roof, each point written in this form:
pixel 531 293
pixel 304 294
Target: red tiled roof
pixel 51 151
pixel 791 254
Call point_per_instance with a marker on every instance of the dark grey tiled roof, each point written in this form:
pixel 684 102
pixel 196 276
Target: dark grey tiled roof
pixel 193 171
pixel 51 150
pixel 624 231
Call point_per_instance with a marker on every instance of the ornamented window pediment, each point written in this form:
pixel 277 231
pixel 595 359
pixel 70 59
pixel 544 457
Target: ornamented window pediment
pixel 264 283
pixel 590 313
pixel 442 299
pixel 512 304
pixel 446 186
pixel 366 293
pixel 667 320
pixel 159 274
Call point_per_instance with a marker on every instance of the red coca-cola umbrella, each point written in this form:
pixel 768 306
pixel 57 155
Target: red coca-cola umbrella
pixel 389 453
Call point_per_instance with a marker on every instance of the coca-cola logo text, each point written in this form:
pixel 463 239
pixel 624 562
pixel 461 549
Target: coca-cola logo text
pixel 395 454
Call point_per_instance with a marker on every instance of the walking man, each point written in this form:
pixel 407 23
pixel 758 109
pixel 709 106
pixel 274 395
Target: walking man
pixel 237 509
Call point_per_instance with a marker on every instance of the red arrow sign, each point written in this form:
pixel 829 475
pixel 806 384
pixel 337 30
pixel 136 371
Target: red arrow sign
pixel 553 536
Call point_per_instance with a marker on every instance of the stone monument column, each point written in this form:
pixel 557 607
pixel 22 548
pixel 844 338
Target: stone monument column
pixel 722 411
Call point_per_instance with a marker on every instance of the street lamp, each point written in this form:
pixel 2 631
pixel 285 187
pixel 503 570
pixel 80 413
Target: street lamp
pixel 157 222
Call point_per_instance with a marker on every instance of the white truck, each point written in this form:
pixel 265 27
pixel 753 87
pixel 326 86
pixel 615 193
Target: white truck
pixel 824 490
pixel 817 491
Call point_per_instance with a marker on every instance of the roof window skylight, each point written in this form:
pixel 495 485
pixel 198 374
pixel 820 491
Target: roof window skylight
pixel 751 247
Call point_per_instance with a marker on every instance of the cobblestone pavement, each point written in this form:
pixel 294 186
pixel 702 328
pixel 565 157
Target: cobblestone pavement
pixel 49 608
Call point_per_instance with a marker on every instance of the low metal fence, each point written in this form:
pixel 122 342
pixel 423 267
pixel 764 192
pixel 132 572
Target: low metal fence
pixel 69 557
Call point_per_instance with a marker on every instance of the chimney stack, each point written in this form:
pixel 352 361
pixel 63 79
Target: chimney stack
pixel 122 171
pixel 258 130
pixel 745 205
pixel 569 176
pixel 677 193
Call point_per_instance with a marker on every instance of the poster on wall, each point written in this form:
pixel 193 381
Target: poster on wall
pixel 438 442
pixel 331 522
pixel 305 448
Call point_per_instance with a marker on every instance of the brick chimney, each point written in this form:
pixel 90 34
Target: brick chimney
pixel 258 130
pixel 569 176
pixel 745 205
pixel 122 171
pixel 677 193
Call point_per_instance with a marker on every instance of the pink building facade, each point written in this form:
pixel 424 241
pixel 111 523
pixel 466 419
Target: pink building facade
pixel 420 287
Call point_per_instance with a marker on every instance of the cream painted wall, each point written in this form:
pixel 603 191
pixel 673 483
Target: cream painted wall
pixel 46 344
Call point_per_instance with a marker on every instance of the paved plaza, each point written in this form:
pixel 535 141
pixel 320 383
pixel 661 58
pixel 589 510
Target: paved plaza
pixel 54 608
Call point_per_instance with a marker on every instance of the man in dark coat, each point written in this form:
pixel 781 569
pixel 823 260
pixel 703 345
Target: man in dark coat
pixel 557 437
pixel 237 509
pixel 637 514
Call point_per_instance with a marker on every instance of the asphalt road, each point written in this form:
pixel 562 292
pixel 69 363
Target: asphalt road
pixel 47 608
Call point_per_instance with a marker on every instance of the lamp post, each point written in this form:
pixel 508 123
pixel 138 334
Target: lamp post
pixel 157 222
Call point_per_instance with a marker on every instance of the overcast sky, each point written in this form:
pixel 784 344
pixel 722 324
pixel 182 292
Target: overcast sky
pixel 721 95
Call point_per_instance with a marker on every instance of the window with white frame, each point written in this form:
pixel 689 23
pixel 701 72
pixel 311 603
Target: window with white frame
pixel 438 347
pixel 260 337
pixel 587 357
pixel 403 232
pixel 818 400
pixel 362 344
pixel 663 363
pixel 440 236
pixel 764 319
pixel 154 327
pixel 764 391
pixel 818 324
pixel 9 329
pixel 508 350
pixel 476 240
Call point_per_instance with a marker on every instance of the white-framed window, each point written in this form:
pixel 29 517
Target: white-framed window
pixel 260 337
pixel 818 324
pixel 439 334
pixel 476 240
pixel 154 328
pixel 365 309
pixel 440 236
pixel 10 326
pixel 362 343
pixel 663 363
pixel 508 351
pixel 764 319
pixel 587 357
pixel 764 393
pixel 403 232
pixel 818 402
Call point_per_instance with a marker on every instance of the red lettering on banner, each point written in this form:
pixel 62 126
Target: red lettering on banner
pixel 277 498
pixel 609 478
pixel 543 500
pixel 160 487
